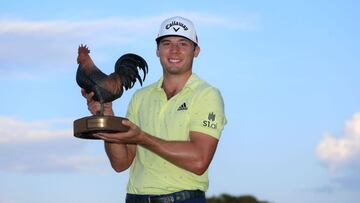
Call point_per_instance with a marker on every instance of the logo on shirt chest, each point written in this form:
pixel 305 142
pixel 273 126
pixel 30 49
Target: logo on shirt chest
pixel 210 123
pixel 182 107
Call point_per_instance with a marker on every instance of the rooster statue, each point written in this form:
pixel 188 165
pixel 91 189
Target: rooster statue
pixel 107 88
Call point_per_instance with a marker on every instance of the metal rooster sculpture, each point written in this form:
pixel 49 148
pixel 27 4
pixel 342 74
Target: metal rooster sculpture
pixel 107 88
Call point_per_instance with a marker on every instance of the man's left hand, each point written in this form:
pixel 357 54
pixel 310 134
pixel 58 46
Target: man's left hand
pixel 132 136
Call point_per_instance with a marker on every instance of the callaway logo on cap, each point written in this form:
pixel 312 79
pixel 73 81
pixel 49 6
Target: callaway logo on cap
pixel 178 26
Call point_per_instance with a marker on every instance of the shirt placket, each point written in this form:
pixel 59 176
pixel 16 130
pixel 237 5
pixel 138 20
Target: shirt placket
pixel 164 103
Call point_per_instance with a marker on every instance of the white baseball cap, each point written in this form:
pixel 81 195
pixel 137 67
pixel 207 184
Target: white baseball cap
pixel 178 26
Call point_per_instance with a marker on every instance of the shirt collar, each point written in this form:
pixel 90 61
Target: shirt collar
pixel 190 83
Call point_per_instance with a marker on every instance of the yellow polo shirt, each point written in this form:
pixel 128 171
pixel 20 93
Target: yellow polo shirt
pixel 197 107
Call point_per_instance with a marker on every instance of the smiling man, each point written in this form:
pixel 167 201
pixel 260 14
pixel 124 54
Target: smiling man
pixel 174 125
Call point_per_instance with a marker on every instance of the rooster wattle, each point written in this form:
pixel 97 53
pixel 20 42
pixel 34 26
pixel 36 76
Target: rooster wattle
pixel 107 88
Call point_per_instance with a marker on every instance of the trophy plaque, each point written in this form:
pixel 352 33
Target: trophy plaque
pixel 106 89
pixel 87 126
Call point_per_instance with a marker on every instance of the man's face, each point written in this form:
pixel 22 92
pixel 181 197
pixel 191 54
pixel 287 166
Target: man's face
pixel 176 54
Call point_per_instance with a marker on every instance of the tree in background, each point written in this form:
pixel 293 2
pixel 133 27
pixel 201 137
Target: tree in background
pixel 226 198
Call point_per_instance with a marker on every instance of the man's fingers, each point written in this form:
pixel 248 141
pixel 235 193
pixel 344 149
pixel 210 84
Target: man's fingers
pixel 132 126
pixel 106 137
pixel 86 95
pixel 128 123
pixel 89 97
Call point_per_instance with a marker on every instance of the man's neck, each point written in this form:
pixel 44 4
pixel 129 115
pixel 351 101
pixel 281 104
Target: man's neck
pixel 173 84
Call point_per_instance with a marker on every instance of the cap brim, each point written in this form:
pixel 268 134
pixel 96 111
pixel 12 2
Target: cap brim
pixel 172 35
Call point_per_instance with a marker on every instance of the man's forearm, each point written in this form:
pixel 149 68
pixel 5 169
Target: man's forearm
pixel 120 155
pixel 194 155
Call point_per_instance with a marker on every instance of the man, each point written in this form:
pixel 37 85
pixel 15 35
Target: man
pixel 174 125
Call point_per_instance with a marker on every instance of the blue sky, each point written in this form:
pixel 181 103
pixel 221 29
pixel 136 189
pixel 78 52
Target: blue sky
pixel 288 72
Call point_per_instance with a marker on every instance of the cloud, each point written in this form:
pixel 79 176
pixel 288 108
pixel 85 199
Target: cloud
pixel 244 22
pixel 342 154
pixel 28 45
pixel 14 131
pixel 46 45
pixel 45 146
pixel 133 25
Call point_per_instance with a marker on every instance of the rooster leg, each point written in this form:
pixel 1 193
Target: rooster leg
pixel 101 111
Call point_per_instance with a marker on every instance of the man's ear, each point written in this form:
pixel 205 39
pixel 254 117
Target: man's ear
pixel 157 52
pixel 196 51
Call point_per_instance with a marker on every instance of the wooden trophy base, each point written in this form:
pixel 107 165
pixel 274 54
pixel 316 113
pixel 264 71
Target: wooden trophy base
pixel 85 127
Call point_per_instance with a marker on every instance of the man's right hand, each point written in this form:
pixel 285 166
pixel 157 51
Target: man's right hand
pixel 94 106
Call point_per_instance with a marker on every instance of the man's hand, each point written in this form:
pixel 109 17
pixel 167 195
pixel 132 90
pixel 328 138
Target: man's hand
pixel 193 155
pixel 94 106
pixel 132 136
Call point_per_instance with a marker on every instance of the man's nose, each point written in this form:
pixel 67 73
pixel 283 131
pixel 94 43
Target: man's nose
pixel 174 47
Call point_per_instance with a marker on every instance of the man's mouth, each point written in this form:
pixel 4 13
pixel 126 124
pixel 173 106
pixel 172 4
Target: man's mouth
pixel 174 60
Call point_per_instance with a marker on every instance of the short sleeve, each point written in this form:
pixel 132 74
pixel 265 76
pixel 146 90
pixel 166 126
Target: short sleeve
pixel 207 113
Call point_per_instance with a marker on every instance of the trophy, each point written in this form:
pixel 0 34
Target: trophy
pixel 106 88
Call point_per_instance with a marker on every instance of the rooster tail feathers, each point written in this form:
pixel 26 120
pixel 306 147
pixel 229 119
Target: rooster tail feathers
pixel 127 68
